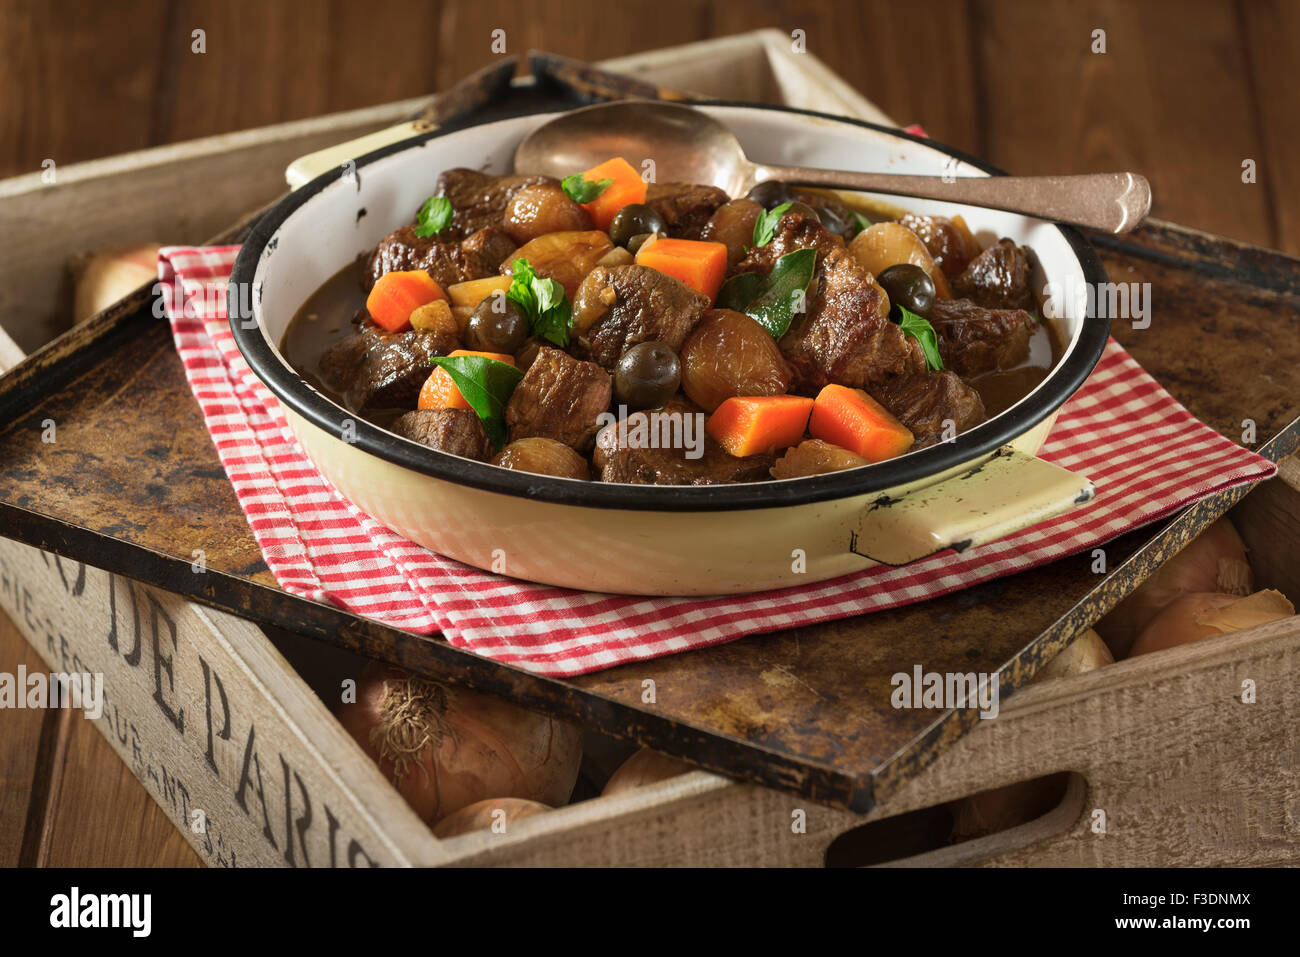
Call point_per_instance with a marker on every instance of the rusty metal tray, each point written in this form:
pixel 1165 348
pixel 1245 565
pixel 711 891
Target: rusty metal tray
pixel 133 485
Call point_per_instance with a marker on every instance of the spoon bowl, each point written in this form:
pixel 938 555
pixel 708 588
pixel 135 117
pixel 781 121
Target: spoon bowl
pixel 685 145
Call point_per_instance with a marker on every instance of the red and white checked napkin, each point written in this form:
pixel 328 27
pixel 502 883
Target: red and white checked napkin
pixel 1148 456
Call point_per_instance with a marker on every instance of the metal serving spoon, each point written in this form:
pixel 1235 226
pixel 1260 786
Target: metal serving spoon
pixel 690 146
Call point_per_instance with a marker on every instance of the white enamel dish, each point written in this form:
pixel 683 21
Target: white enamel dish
pixel 664 540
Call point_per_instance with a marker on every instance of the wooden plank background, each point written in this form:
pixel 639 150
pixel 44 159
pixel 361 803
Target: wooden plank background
pixel 1186 91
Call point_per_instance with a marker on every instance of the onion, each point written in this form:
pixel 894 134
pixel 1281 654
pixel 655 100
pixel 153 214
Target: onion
pixel 1085 653
pixel 102 278
pixel 445 748
pixel 485 814
pixel 882 245
pixel 644 767
pixel 1205 614
pixel 1215 561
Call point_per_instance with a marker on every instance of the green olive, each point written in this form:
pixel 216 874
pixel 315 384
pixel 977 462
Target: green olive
pixel 497 324
pixel 909 286
pixel 772 194
pixel 647 375
pixel 633 220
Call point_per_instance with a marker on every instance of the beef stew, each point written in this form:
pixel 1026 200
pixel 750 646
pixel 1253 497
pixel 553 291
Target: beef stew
pixel 606 341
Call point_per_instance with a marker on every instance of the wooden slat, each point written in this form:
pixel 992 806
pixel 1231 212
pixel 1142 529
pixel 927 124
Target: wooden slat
pixel 76 79
pixel 270 62
pixel 1271 30
pixel 916 75
pixel 101 814
pixel 1171 98
pixel 588 29
pixel 19 754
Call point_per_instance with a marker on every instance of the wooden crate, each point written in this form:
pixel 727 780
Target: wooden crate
pixel 213 718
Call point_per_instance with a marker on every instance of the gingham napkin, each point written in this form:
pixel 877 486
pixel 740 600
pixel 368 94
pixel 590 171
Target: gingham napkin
pixel 1148 456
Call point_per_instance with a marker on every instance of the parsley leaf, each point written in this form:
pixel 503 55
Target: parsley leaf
pixel 486 385
pixel 543 301
pixel 434 217
pixel 772 300
pixel 765 225
pixel 919 328
pixel 582 190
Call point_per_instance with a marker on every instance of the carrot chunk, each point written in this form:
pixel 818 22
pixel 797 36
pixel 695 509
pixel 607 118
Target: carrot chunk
pixel 751 425
pixel 628 187
pixel 701 265
pixel 440 392
pixel 398 294
pixel 853 420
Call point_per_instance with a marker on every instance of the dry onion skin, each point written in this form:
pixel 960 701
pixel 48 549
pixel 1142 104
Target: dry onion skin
pixel 102 278
pixel 644 767
pixel 1206 614
pixel 494 814
pixel 1215 561
pixel 1085 653
pixel 446 748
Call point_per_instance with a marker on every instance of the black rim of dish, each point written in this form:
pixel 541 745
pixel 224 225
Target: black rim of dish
pixel 297 395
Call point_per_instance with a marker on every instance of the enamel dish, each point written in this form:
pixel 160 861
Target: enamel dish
pixel 665 540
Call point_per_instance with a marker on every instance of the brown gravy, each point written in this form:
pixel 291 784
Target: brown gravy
pixel 323 320
pixel 1002 389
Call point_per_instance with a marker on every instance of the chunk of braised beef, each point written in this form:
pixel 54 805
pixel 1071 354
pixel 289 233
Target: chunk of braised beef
pixel 685 207
pixel 933 405
pixel 480 255
pixel 793 231
pixel 997 278
pixel 479 199
pixel 973 339
pixel 944 241
pixel 374 369
pixel 617 307
pixel 559 398
pixel 456 431
pixel 842 336
pixel 653 447
pixel 492 243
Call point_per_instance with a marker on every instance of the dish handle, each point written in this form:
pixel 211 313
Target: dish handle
pixel 306 168
pixel 1008 492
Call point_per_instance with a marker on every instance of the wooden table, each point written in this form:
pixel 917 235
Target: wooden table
pixel 1186 92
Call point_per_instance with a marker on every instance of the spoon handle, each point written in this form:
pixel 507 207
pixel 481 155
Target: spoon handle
pixel 1114 202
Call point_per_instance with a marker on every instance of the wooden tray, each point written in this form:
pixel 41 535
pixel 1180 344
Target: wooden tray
pixel 133 485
